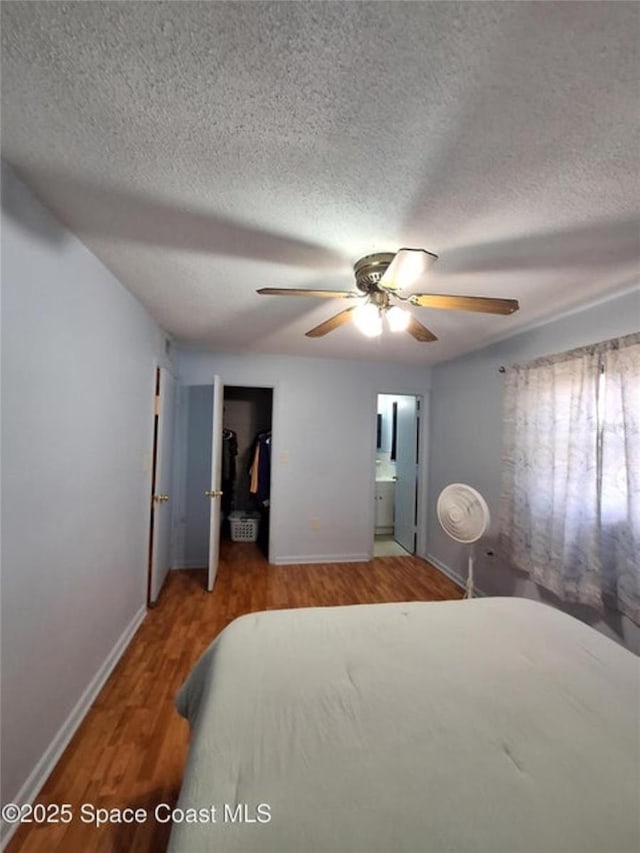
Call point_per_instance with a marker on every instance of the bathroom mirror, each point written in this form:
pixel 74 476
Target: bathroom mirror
pixel 386 427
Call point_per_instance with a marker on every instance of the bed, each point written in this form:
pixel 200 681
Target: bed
pixel 496 724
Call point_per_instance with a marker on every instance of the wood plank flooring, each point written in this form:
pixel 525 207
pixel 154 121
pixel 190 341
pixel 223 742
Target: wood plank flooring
pixel 130 750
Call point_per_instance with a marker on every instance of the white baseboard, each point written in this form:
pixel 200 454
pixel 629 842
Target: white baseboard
pixel 189 564
pixel 48 761
pixel 322 558
pixel 454 576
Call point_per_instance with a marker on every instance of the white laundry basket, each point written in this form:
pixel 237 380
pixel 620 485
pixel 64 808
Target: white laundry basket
pixel 244 526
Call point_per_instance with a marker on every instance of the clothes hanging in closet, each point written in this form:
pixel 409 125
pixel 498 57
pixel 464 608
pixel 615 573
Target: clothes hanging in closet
pixel 229 453
pixel 260 471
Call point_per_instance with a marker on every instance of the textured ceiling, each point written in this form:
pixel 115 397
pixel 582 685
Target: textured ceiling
pixel 203 150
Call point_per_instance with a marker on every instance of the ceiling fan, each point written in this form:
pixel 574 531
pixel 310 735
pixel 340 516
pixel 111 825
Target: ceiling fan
pixel 379 278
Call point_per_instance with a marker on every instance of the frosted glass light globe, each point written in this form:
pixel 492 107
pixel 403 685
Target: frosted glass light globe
pixel 367 319
pixel 398 319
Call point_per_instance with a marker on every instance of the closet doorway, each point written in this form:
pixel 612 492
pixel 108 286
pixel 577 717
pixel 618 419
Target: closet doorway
pixel 226 496
pixel 246 464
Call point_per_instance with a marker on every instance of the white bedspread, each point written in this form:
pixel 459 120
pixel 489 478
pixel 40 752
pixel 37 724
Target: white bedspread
pixel 486 725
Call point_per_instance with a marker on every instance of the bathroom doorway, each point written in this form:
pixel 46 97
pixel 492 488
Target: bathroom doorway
pixel 396 474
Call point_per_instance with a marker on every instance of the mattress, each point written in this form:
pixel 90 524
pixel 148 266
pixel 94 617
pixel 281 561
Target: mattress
pixel 496 724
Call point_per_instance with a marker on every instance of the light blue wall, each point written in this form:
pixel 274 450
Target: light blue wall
pixel 323 450
pixel 466 436
pixel 78 362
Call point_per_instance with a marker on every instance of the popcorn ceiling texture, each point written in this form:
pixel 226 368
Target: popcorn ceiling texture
pixel 203 150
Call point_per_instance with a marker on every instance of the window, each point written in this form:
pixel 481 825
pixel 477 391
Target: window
pixel 570 513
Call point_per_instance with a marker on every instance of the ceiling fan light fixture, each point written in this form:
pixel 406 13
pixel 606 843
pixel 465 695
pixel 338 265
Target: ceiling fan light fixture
pixel 368 320
pixel 380 279
pixel 398 319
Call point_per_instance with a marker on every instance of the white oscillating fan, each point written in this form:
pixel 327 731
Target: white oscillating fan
pixel 464 516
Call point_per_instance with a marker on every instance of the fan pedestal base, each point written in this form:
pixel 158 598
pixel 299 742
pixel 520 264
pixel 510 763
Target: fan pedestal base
pixel 469 587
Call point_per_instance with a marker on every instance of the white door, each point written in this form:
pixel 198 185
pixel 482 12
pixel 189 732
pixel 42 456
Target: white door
pixel 214 493
pixel 407 473
pixel 161 508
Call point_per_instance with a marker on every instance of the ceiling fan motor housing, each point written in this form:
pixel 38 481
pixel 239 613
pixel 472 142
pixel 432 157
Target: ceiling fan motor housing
pixel 370 269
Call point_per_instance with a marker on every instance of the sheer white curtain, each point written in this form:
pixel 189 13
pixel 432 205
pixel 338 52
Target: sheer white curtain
pixel 620 491
pixel 570 503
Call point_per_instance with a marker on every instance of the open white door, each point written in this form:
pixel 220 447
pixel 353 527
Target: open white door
pixel 407 473
pixel 161 509
pixel 214 493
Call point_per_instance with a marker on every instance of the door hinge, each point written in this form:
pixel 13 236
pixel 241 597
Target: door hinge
pixel 156 404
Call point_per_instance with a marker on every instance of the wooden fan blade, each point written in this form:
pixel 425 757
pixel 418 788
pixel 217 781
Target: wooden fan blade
pixel 296 291
pixel 330 324
pixel 484 304
pixel 420 332
pixel 406 268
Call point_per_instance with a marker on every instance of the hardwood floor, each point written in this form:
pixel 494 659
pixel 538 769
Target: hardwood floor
pixel 130 750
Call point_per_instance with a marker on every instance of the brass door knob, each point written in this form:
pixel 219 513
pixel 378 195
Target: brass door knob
pixel 215 493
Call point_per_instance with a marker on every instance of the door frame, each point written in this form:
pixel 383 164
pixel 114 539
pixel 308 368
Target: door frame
pixel 149 467
pixel 273 387
pixel 179 456
pixel 229 383
pixel 214 492
pixel 150 464
pixel 422 485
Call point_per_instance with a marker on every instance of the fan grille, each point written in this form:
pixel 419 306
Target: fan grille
pixel 463 513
